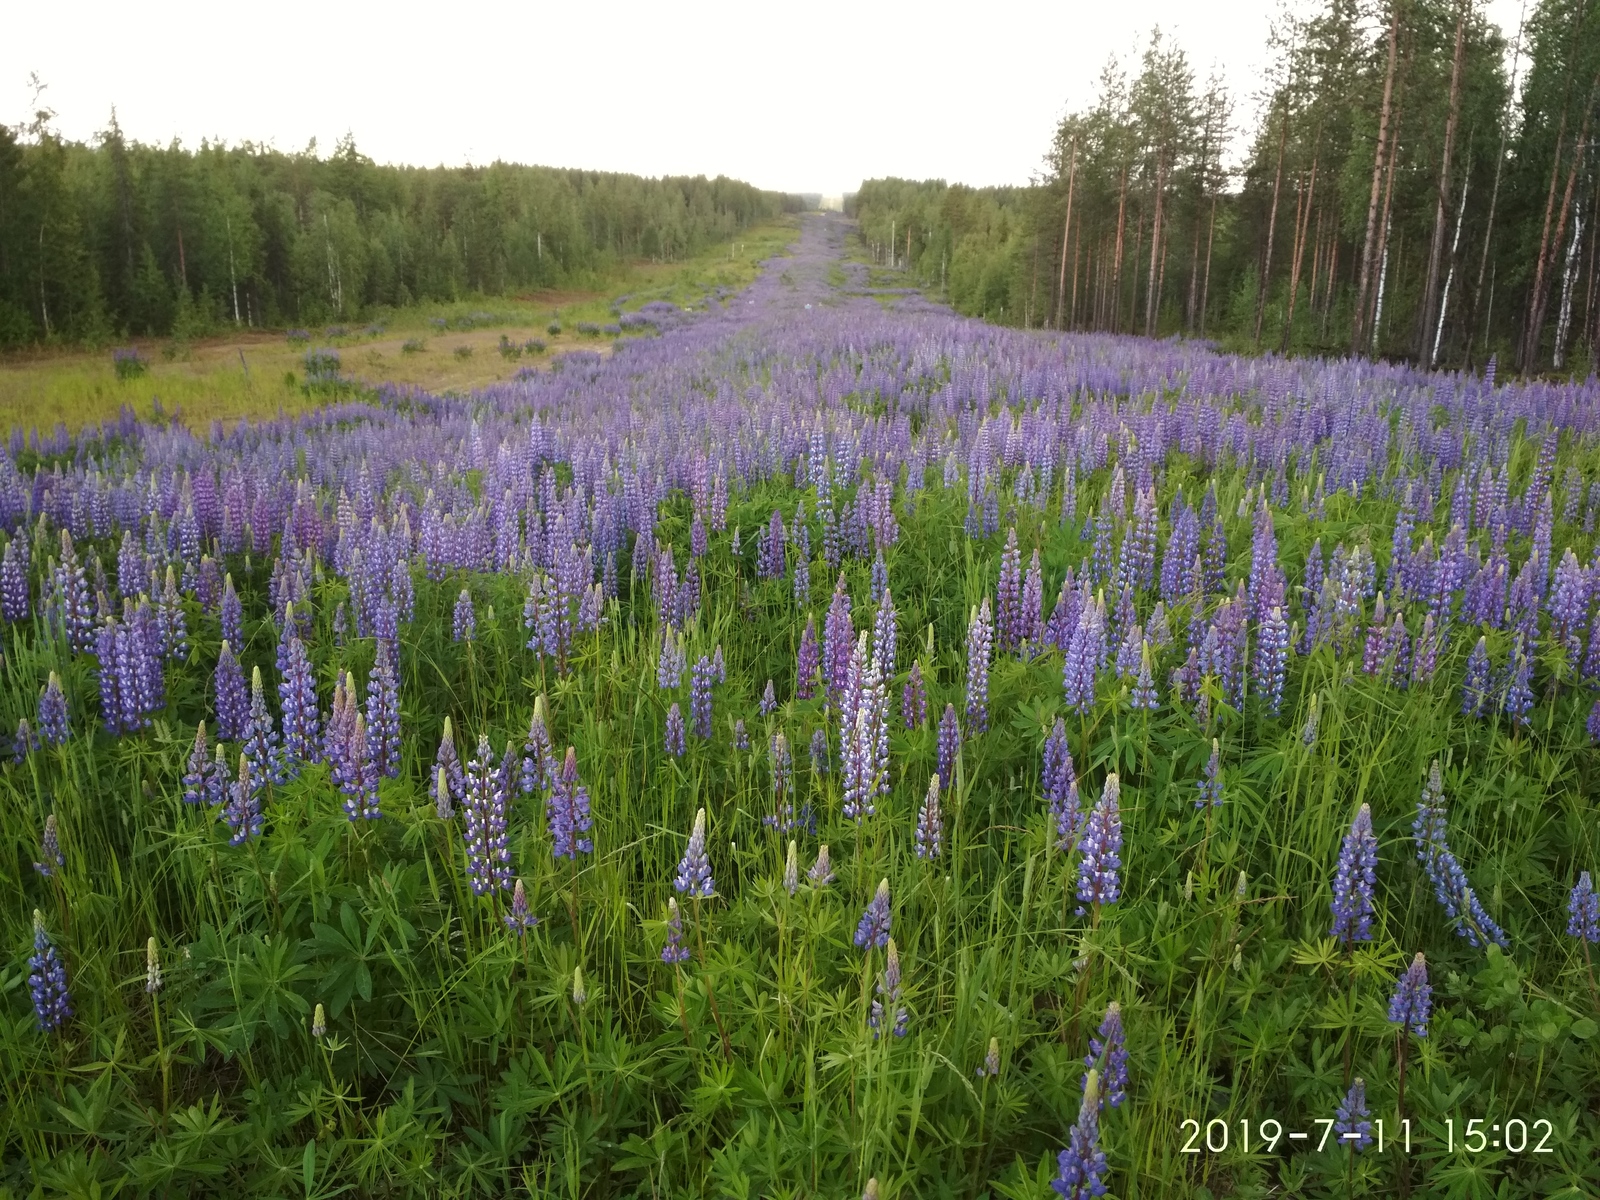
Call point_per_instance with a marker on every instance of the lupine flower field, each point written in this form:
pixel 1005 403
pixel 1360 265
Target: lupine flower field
pixel 829 748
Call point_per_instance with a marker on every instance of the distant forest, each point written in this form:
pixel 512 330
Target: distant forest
pixel 104 240
pixel 1419 185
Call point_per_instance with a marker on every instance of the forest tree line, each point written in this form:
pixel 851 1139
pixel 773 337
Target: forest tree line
pixel 1418 184
pixel 113 238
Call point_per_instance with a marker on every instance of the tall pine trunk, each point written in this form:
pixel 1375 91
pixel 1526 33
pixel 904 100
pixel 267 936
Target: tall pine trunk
pixel 1441 213
pixel 1272 225
pixel 1066 235
pixel 1369 244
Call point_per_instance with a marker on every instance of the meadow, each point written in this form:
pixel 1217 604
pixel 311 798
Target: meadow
pixel 470 343
pixel 829 748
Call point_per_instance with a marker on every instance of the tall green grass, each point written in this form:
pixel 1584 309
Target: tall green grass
pixel 456 1061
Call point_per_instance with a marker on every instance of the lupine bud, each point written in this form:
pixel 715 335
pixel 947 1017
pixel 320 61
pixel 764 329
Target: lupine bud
pixel 152 967
pixel 930 825
pixel 319 1023
pixel 580 994
pixel 791 870
pixel 52 860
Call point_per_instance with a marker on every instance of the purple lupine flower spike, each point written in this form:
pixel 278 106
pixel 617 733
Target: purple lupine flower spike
pixel 1059 783
pixel 484 804
pixel 383 713
pixel 1099 870
pixel 232 614
pixel 464 620
pixel 700 697
pixel 980 639
pixel 914 699
pixel 53 725
pixel 232 702
pixel 1413 998
pixel 261 743
pixel 1583 911
pixel 520 919
pixel 1081 1167
pixel 297 699
pixel 1355 881
pixel 949 743
pixel 694 870
pixel 675 741
pixel 674 952
pixel 888 997
pixel 197 773
pixel 449 761
pixel 1211 779
pixel 1108 1051
pixel 52 860
pixel 1350 1123
pixel 821 872
pixel 930 824
pixel 873 928
pixel 567 811
pixel 1450 885
pixel 242 811
pixel 47 981
pixel 807 662
pixel 769 701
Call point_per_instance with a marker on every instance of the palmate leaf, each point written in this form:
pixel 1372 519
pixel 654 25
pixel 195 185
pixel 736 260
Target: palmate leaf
pixel 345 955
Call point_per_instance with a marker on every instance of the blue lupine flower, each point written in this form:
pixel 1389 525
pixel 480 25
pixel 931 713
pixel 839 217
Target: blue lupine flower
pixel 1354 881
pixel 1059 783
pixel 1583 909
pixel 1449 880
pixel 53 724
pixel 888 997
pixel 1211 779
pixel 675 743
pixel 567 811
pixel 47 980
pixel 980 642
pixel 52 860
pixel 674 951
pixel 1108 1052
pixel 821 872
pixel 484 805
pixel 949 743
pixel 1099 870
pixel 1413 998
pixel 694 871
pixel 930 824
pixel 1350 1121
pixel 873 929
pixel 232 705
pixel 383 713
pixel 520 919
pixel 1081 1167
pixel 242 810
pixel 464 619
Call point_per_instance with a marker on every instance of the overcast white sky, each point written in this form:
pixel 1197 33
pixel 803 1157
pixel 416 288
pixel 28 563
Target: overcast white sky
pixel 797 97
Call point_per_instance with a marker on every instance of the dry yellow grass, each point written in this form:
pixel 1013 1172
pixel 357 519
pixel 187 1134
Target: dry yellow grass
pixel 248 374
